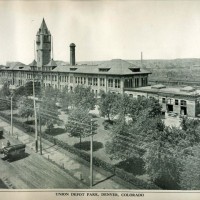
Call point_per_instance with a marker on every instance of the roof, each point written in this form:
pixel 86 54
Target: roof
pixel 72 45
pixel 188 89
pixel 112 67
pixel 159 86
pixel 17 67
pixel 43 28
pixel 167 91
pixel 52 63
pixel 33 64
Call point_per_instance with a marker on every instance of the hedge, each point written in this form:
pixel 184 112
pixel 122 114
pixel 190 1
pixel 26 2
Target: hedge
pixel 98 162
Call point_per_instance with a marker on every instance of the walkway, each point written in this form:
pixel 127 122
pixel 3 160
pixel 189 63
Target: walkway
pixel 75 166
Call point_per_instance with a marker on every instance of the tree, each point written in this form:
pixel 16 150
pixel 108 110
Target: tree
pixel 48 109
pixel 5 92
pixel 65 98
pixel 161 158
pixel 79 123
pixel 25 107
pixel 190 175
pixel 27 90
pixel 83 97
pixel 108 104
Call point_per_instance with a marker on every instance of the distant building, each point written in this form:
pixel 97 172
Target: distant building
pixel 115 75
pixel 180 101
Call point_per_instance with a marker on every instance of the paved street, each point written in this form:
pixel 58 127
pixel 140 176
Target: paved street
pixel 35 171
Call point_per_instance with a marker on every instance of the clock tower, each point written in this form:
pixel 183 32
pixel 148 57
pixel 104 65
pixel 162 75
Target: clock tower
pixel 43 43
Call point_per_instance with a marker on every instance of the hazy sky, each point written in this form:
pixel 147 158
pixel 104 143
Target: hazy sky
pixel 102 30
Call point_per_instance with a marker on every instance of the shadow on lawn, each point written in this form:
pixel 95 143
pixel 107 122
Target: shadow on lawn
pixel 132 165
pixel 86 145
pixel 30 122
pixel 56 131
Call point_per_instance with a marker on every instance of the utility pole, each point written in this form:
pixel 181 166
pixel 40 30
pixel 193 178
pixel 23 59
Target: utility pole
pixel 91 155
pixel 40 131
pixel 12 88
pixel 11 105
pixel 35 114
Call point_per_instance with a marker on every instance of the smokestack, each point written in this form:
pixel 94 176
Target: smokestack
pixel 141 59
pixel 72 54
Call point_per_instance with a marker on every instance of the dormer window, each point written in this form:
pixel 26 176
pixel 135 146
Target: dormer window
pixel 73 69
pixel 21 67
pixel 104 69
pixel 135 69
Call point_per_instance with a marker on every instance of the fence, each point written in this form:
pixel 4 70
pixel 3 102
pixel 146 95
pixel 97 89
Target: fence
pixel 96 161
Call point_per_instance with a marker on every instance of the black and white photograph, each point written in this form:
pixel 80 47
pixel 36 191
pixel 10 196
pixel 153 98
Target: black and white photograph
pixel 100 99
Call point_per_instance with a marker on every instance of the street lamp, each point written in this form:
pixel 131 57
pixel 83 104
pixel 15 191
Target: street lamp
pixel 12 88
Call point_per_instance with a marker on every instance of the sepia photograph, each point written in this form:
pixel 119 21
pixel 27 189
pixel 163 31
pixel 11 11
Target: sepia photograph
pixel 99 99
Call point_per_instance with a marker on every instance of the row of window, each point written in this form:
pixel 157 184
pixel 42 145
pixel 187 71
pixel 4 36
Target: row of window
pixel 174 101
pixel 130 82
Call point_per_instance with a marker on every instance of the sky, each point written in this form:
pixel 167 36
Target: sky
pixel 102 30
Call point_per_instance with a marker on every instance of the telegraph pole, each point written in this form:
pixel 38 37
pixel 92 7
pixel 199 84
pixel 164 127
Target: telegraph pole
pixel 35 114
pixel 40 132
pixel 11 105
pixel 91 155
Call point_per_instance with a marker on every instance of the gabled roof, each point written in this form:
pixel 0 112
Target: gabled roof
pixel 113 67
pixel 33 64
pixel 52 63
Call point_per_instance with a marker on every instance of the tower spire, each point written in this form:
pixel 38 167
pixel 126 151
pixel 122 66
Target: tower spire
pixel 52 45
pixel 43 44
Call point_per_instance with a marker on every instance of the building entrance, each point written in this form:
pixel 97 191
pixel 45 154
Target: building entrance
pixel 183 110
pixel 169 108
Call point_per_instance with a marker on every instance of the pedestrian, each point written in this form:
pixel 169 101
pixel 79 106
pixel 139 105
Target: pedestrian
pixel 8 143
pixel 2 145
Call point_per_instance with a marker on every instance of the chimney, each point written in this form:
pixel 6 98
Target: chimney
pixel 72 54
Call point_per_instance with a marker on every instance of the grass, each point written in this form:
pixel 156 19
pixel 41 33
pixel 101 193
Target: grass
pixel 86 145
pixel 56 131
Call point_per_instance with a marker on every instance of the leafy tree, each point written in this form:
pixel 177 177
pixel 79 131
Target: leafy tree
pixel 162 159
pixel 192 129
pixel 108 104
pixel 48 109
pixel 27 90
pixel 137 105
pixel 190 175
pixel 83 97
pixel 25 107
pixel 65 98
pixel 5 92
pixel 79 123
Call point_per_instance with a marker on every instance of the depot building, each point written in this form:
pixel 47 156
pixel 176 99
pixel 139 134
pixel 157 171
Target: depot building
pixel 180 101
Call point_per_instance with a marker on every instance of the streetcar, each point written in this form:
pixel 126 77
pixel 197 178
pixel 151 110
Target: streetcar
pixel 14 151
pixel 1 132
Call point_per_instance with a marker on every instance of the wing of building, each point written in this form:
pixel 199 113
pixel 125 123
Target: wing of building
pixel 118 76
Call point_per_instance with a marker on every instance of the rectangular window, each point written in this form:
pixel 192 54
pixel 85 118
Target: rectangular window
pixel 84 79
pixel 89 81
pixel 110 82
pixel 136 82
pixel 163 100
pixel 76 79
pixel 95 81
pixel 102 81
pixel 176 101
pixel 117 83
pixel 183 103
pixel 71 79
